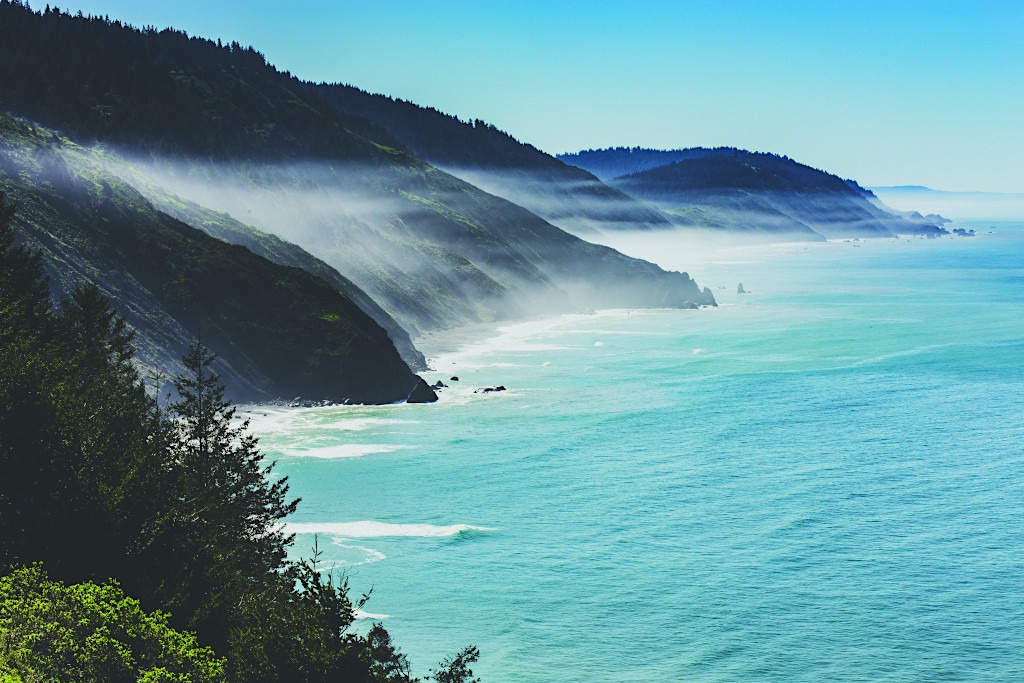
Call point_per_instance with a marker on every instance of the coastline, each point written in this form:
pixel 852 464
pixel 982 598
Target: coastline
pixel 642 430
pixel 439 343
pixel 459 343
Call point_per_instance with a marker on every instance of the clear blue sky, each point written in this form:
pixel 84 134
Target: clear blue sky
pixel 887 92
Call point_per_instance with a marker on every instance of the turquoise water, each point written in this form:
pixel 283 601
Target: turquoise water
pixel 822 480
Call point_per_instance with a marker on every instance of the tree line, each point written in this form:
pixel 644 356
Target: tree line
pixel 173 503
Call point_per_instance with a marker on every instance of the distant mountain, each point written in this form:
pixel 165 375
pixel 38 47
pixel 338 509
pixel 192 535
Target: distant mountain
pixel 732 189
pixel 494 161
pixel 615 162
pixel 967 206
pixel 280 331
pixel 217 126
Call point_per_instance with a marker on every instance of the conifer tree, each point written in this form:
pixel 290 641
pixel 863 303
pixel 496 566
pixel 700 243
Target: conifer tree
pixel 226 515
pixel 25 324
pixel 80 441
pixel 232 496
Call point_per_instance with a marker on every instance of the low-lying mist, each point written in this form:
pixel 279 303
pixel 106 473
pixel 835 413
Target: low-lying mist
pixel 579 206
pixel 693 248
pixel 983 206
pixel 588 207
pixel 434 251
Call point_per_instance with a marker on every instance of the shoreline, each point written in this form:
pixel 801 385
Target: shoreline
pixel 440 343
pixel 457 341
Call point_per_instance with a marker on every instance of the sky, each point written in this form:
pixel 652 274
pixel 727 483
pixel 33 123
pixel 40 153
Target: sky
pixel 893 92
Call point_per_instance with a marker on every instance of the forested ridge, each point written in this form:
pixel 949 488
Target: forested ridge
pixel 735 189
pixel 163 92
pixel 173 503
pixel 495 161
pixel 217 125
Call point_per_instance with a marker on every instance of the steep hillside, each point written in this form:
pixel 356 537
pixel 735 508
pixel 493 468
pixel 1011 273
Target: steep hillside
pixel 98 80
pixel 222 226
pixel 218 126
pixel 280 331
pixel 494 161
pixel 733 189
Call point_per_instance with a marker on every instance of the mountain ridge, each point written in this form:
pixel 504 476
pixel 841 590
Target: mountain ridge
pixel 432 250
pixel 204 128
pixel 726 188
pixel 280 331
pixel 489 158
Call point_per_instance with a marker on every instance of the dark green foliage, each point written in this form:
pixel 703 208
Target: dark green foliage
pixel 86 633
pixel 75 73
pixel 26 299
pixel 389 665
pixel 223 519
pixel 76 426
pixel 456 669
pixel 178 506
pixel 284 634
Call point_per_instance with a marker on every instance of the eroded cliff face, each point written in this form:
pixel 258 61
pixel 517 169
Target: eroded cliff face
pixel 280 332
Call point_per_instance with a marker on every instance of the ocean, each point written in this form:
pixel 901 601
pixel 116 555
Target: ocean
pixel 820 480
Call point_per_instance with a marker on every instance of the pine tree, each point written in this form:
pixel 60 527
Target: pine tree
pixel 25 325
pixel 227 516
pixel 80 441
pixel 232 496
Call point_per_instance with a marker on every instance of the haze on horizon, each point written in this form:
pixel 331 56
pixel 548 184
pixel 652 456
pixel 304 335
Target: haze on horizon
pixel 888 93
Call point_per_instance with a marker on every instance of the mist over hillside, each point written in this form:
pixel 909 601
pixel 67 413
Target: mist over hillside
pixel 735 190
pixel 494 161
pixel 280 331
pixel 237 136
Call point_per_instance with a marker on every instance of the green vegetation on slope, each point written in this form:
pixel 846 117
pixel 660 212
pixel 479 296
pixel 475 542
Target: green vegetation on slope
pixel 282 331
pixel 225 227
pixel 175 504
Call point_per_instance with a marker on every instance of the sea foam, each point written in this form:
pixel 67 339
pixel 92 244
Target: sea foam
pixel 371 529
pixel 347 450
